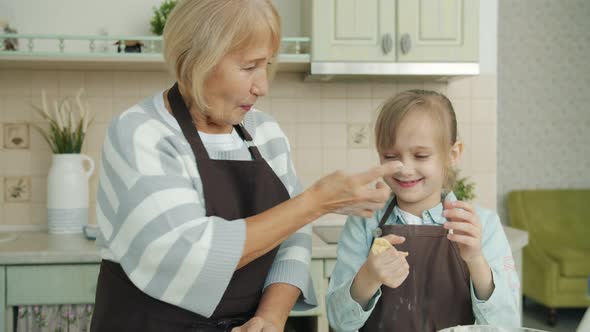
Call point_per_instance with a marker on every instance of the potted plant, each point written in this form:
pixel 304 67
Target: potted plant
pixel 67 182
pixel 160 15
pixel 464 189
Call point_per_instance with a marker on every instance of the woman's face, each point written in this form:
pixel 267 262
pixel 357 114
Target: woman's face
pixel 233 87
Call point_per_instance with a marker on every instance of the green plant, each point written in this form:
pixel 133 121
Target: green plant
pixel 160 15
pixel 464 189
pixel 66 133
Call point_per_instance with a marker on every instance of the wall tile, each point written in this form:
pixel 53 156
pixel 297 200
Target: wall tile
pixel 70 82
pixel 38 143
pixel 40 162
pixel 264 104
pixel 309 135
pixel 485 190
pixel 280 87
pixel 15 162
pixel 359 110
pixel 16 83
pixel 314 116
pixel 95 137
pixel 309 90
pixel 438 87
pixel 39 215
pixel 358 90
pixel 126 84
pixel 462 109
pixel 484 145
pixel 409 86
pixel 381 90
pixel 309 161
pixel 16 109
pixel 361 159
pixel 101 109
pixel 121 104
pixel 99 84
pixel 459 88
pixel 465 164
pixel 17 213
pixel 335 159
pixel 16 136
pixel 44 80
pixel 334 135
pixel 483 86
pixel 483 111
pixel 308 110
pixel 38 189
pixel 17 189
pixel 333 90
pixel 153 82
pixel 334 110
pixel 285 110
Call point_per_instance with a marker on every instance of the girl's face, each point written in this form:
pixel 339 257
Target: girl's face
pixel 419 184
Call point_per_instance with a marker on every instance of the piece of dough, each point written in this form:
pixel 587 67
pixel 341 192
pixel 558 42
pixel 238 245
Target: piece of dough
pixel 380 245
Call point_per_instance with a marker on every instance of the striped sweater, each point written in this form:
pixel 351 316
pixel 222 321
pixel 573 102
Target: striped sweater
pixel 151 212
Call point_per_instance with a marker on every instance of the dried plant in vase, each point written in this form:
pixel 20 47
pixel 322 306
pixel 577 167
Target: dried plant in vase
pixel 66 129
pixel 67 180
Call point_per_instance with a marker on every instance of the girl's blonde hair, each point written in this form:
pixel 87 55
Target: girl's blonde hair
pixel 440 109
pixel 199 33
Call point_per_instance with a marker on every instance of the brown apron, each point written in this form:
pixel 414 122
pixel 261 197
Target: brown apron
pixel 233 190
pixel 436 293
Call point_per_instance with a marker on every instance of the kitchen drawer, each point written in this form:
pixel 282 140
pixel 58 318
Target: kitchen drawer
pixel 316 270
pixel 51 284
pixel 329 265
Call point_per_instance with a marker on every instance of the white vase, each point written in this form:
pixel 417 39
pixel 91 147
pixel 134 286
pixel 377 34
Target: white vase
pixel 67 193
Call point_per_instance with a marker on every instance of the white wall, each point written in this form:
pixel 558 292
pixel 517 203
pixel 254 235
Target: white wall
pixel 488 33
pixel 544 95
pixel 128 17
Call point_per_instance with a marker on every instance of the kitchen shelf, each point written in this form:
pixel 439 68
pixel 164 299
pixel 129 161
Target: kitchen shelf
pixel 150 60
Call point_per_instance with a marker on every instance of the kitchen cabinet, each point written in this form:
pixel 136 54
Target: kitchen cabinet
pixel 353 30
pixel 436 31
pixel 40 268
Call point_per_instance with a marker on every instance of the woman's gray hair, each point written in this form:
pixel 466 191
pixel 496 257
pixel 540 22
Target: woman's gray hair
pixel 199 33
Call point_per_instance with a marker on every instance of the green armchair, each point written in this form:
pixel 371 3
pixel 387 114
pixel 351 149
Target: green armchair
pixel 556 262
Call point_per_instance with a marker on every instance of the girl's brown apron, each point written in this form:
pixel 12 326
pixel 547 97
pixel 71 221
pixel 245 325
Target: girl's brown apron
pixel 233 189
pixel 436 293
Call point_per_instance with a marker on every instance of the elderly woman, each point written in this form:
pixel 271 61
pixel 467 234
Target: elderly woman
pixel 203 223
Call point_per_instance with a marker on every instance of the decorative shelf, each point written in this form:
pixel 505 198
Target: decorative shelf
pixel 78 52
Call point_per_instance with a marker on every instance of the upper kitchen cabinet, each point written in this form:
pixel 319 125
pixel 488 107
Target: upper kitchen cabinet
pixel 434 31
pixel 438 31
pixel 353 30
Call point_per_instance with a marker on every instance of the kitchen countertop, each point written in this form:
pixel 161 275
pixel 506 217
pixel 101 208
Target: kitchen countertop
pixel 43 248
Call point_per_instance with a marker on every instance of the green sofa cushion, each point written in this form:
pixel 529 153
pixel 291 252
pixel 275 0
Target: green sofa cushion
pixel 576 285
pixel 572 262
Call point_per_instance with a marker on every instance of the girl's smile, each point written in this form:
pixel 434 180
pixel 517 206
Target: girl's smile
pixel 408 183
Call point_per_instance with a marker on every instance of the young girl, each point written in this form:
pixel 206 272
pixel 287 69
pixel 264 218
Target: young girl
pixel 459 268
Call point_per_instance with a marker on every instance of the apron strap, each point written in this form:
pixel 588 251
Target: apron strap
pixel 387 213
pixel 183 116
pixel 243 133
pixel 182 113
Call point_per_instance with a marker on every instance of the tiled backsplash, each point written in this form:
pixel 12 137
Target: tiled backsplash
pixel 328 124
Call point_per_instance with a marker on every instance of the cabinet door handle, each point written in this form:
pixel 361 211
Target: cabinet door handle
pixel 387 43
pixel 405 43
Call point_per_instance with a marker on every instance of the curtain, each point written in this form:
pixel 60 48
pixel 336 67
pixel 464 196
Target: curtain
pixel 54 318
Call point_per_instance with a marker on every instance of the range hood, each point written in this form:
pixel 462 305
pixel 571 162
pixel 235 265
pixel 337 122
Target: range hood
pixel 329 70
